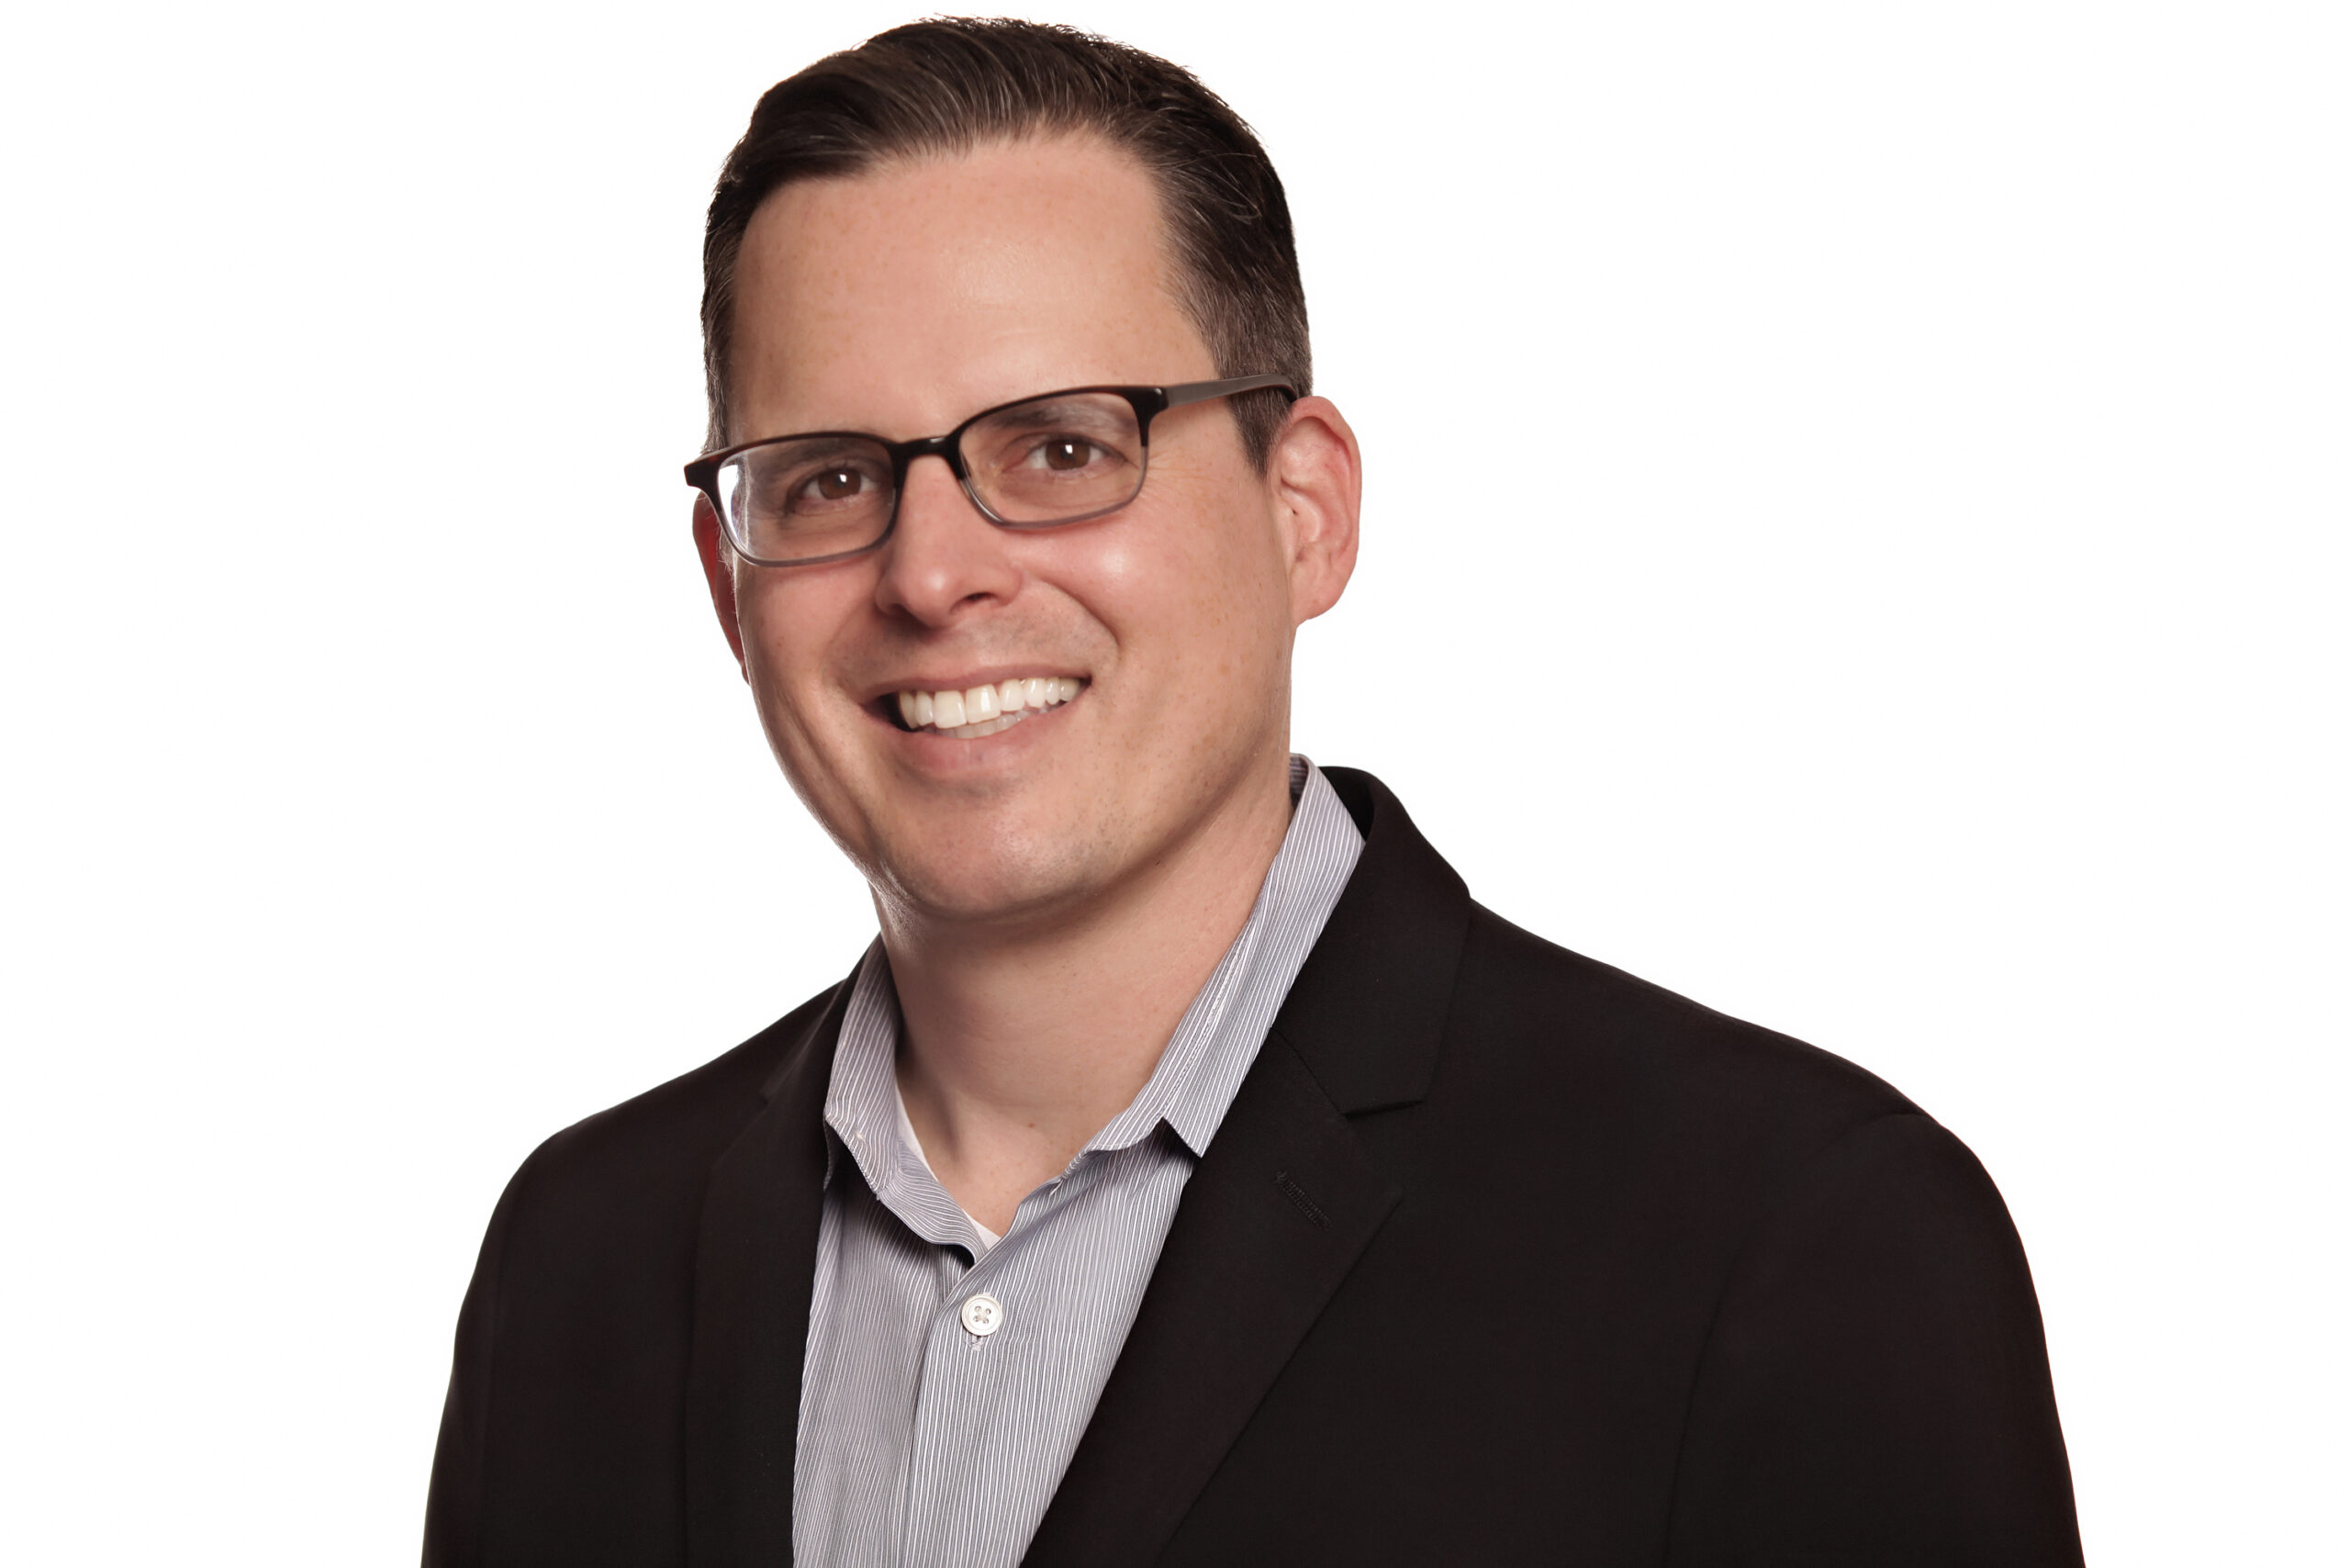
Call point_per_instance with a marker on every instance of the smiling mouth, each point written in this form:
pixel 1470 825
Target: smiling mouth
pixel 981 710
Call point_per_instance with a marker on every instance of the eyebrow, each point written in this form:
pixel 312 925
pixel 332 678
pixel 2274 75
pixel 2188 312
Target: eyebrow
pixel 1034 414
pixel 827 443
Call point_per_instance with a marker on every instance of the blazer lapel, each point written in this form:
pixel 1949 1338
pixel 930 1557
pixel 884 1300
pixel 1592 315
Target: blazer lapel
pixel 1270 1221
pixel 753 1273
pixel 1283 1204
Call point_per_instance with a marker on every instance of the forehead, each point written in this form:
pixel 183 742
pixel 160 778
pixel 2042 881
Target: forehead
pixel 903 300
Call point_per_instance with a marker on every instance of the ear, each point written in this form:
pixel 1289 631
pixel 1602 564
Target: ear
pixel 1315 472
pixel 718 570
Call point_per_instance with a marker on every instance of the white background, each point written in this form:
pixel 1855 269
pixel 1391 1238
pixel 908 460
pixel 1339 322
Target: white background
pixel 1856 534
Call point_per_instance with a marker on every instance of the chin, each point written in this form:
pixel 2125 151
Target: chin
pixel 1006 879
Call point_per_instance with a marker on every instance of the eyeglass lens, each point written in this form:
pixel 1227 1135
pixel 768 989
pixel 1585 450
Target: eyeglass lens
pixel 1053 459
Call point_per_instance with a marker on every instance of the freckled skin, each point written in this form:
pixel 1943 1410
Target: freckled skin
pixel 901 302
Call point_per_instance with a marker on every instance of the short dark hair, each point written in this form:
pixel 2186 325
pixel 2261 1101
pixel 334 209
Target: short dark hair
pixel 950 84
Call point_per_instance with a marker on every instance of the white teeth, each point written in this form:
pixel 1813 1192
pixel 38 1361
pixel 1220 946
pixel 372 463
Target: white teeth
pixel 985 710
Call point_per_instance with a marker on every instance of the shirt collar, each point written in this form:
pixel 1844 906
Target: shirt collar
pixel 862 1110
pixel 1214 1047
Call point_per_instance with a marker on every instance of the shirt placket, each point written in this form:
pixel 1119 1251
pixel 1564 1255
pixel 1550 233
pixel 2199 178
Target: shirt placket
pixel 983 1348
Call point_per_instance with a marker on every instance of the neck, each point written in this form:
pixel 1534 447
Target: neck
pixel 1020 1044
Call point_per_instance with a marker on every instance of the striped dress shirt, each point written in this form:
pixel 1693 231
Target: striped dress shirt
pixel 948 1374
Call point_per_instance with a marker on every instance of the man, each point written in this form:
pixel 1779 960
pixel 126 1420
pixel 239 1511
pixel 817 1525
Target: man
pixel 1190 1173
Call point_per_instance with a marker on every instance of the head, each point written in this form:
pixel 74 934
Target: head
pixel 952 216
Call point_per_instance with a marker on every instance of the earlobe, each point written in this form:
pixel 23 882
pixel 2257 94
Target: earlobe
pixel 1316 470
pixel 718 571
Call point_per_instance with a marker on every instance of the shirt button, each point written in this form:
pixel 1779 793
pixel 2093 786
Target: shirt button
pixel 983 1315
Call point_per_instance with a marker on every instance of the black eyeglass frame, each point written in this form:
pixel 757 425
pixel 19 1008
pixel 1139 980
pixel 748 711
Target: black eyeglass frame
pixel 1148 402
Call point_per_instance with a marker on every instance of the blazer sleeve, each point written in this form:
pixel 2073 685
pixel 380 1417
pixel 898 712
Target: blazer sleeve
pixel 452 1508
pixel 1875 1388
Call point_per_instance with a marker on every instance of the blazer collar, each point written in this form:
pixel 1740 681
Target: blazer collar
pixel 755 1270
pixel 1283 1202
pixel 1367 1012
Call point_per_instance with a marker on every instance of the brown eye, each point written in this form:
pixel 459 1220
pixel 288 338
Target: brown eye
pixel 838 484
pixel 1064 455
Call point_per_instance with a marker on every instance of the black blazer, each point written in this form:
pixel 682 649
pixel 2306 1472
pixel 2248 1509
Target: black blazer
pixel 1500 1255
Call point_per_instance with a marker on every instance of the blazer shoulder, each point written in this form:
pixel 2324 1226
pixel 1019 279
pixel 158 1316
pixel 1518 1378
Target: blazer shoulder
pixel 576 1334
pixel 1553 1024
pixel 677 1129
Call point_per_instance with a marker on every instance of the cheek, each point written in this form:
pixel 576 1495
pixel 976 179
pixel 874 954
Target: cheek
pixel 786 629
pixel 1205 567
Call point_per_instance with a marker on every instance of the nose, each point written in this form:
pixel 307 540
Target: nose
pixel 944 561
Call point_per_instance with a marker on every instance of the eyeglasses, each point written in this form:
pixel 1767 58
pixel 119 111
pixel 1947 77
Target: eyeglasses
pixel 800 500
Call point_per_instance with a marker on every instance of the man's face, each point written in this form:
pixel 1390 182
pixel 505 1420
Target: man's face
pixel 900 302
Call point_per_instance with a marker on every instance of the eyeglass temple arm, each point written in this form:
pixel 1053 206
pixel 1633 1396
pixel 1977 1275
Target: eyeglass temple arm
pixel 1200 391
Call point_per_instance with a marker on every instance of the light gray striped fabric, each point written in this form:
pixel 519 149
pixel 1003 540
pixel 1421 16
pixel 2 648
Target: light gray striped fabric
pixel 922 1444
